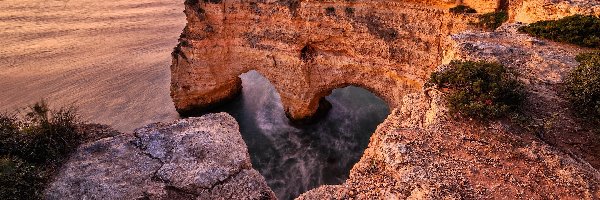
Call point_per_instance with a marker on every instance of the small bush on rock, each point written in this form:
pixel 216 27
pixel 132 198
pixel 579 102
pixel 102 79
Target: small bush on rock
pixel 583 85
pixel 577 29
pixel 20 179
pixel 330 11
pixel 492 20
pixel 349 11
pixel 480 90
pixel 33 147
pixel 462 9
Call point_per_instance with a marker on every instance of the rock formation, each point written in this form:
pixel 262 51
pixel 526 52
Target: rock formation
pixel 308 48
pixel 528 11
pixel 194 158
pixel 542 65
pixel 420 153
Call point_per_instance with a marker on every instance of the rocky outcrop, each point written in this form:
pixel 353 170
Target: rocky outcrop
pixel 485 6
pixel 308 48
pixel 528 11
pixel 543 65
pixel 419 152
pixel 194 158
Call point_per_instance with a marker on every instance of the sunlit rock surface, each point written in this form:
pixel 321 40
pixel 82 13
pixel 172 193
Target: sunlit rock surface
pixel 202 158
pixel 308 48
pixel 419 152
pixel 528 11
pixel 542 65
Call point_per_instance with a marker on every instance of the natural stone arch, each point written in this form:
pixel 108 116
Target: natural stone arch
pixel 306 48
pixel 319 96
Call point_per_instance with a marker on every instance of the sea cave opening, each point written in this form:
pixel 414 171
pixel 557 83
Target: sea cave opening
pixel 296 158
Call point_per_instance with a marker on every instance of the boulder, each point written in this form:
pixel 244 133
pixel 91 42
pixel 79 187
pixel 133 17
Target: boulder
pixel 193 158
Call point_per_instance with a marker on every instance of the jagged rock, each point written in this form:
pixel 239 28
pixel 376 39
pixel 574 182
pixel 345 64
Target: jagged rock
pixel 194 158
pixel 413 157
pixel 483 6
pixel 528 11
pixel 420 153
pixel 308 48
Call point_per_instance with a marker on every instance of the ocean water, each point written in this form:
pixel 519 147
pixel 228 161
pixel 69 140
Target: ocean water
pixel 295 159
pixel 110 59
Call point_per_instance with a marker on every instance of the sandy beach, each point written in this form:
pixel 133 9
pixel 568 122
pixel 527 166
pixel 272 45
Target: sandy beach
pixel 110 59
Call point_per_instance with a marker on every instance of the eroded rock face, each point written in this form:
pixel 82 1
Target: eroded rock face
pixel 528 11
pixel 420 153
pixel 194 158
pixel 308 48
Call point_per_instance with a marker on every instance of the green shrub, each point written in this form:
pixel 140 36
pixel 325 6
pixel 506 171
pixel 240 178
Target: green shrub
pixel 583 85
pixel 492 20
pixel 20 179
pixel 577 29
pixel 462 9
pixel 32 147
pixel 480 90
pixel 330 11
pixel 349 11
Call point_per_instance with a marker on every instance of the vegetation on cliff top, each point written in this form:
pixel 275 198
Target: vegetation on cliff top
pixel 349 11
pixel 330 11
pixel 493 20
pixel 480 90
pixel 33 147
pixel 462 9
pixel 583 85
pixel 577 29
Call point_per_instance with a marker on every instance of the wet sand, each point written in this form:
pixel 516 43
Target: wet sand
pixel 110 59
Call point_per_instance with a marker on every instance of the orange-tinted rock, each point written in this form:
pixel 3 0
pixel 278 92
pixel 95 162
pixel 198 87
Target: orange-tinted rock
pixel 420 152
pixel 529 11
pixel 308 48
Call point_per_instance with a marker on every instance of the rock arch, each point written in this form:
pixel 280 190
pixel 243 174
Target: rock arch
pixel 307 48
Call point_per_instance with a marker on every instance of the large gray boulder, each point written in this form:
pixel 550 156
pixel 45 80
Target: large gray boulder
pixel 194 158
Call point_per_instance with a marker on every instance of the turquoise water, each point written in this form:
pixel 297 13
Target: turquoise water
pixel 295 159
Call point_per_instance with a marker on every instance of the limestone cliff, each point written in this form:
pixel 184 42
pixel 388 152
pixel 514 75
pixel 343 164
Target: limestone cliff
pixel 308 48
pixel 416 155
pixel 528 11
pixel 419 153
pixel 194 158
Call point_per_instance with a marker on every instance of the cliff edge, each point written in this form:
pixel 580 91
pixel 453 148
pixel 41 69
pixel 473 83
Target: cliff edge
pixel 194 158
pixel 308 48
pixel 419 152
